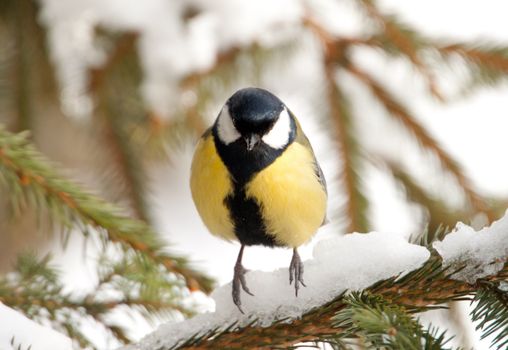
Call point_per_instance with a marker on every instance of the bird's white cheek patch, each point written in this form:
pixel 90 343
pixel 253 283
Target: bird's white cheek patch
pixel 225 128
pixel 278 136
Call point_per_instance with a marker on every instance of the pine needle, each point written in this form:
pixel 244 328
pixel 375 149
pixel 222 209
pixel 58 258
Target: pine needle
pixel 439 214
pixel 392 303
pixel 489 55
pixel 396 36
pixel 491 313
pixel 383 325
pixel 356 203
pixel 487 63
pixel 398 111
pixel 32 180
pixel 115 87
pixel 35 288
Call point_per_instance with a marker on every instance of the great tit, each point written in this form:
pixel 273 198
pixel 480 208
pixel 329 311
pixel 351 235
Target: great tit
pixel 255 179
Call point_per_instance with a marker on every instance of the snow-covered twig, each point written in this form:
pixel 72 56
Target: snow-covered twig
pixel 383 264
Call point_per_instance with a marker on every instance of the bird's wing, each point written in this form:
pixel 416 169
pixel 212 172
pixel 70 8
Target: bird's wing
pixel 207 132
pixel 302 139
pixel 210 184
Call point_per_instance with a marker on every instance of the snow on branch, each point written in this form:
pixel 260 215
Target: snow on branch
pixel 481 253
pixel 353 262
pixel 383 264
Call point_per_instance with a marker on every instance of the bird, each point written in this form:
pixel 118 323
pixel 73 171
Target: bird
pixel 255 179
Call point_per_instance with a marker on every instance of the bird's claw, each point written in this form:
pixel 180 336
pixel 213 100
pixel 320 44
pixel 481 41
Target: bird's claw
pixel 239 282
pixel 296 271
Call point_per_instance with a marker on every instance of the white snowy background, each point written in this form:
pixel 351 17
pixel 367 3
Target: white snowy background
pixel 473 130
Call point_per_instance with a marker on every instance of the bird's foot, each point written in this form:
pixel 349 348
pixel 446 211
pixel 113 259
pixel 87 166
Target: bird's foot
pixel 239 281
pixel 296 271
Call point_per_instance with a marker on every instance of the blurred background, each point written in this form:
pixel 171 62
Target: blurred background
pixel 405 104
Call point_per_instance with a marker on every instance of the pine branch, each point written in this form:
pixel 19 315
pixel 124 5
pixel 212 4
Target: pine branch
pixel 488 63
pixel 480 259
pixel 399 37
pixel 30 179
pixel 383 325
pixel 7 63
pixel 356 205
pixel 22 70
pixel 119 107
pixel 123 46
pixel 356 202
pixel 129 168
pixel 491 311
pixel 30 72
pixel 35 289
pixel 397 110
pixel 423 288
pixel 489 55
pixel 440 216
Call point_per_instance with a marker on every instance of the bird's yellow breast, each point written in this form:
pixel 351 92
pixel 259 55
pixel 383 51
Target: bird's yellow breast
pixel 210 185
pixel 292 201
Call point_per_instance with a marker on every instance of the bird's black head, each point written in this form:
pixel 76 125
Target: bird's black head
pixel 253 128
pixel 255 116
pixel 254 110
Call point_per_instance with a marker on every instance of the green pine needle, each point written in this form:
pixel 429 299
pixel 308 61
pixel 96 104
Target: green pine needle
pixel 491 313
pixel 350 153
pixel 383 325
pixel 32 181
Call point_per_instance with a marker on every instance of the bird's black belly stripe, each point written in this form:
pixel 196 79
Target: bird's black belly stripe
pixel 249 225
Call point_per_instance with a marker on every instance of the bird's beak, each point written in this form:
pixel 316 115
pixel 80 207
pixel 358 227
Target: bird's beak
pixel 251 141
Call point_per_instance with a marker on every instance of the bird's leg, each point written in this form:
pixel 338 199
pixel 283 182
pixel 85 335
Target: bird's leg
pixel 239 281
pixel 296 271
